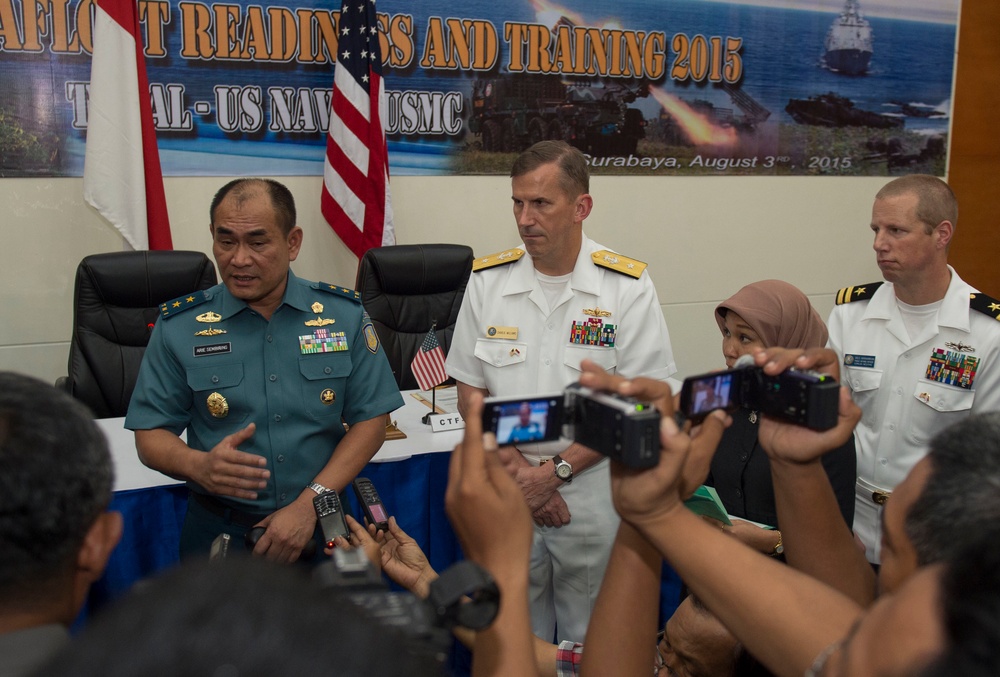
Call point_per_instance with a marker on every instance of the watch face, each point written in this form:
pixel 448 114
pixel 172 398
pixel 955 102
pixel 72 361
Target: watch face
pixel 564 471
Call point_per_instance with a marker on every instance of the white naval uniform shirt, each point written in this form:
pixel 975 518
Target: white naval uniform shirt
pixel 542 359
pixel 905 394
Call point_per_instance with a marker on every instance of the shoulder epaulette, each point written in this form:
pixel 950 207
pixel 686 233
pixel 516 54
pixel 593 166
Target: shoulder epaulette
pixel 498 259
pixel 984 303
pixel 182 303
pixel 618 263
pixel 338 291
pixel 862 292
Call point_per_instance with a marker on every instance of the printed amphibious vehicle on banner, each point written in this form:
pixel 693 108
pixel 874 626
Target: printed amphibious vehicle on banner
pixel 511 113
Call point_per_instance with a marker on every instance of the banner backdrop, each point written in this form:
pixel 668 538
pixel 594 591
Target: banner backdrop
pixel 669 87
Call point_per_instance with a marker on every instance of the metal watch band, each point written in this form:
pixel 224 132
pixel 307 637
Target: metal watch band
pixel 318 488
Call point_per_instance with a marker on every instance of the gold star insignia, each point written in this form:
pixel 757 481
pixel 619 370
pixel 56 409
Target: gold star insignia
pixel 859 291
pixel 177 304
pixel 189 299
pixel 994 307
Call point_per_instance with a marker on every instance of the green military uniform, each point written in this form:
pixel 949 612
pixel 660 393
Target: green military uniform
pixel 214 365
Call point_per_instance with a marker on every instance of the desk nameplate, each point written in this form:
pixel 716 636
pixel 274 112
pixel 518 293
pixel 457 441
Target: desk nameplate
pixel 442 422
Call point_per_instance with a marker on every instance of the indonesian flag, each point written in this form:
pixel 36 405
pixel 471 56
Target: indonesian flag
pixel 355 199
pixel 121 173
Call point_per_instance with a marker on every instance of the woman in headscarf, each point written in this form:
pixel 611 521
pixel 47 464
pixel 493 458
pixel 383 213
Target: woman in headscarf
pixel 762 315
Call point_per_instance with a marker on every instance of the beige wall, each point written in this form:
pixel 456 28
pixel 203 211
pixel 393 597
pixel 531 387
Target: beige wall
pixel 704 237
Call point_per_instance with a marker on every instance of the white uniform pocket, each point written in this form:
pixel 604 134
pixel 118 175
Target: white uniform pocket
pixel 945 405
pixel 607 358
pixel 497 353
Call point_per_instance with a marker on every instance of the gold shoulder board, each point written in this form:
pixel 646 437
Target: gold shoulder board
pixel 861 292
pixel 618 263
pixel 986 304
pixel 498 259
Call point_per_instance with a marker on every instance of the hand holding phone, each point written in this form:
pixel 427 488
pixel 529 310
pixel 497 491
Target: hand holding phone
pixel 375 511
pixel 331 517
pixel 251 537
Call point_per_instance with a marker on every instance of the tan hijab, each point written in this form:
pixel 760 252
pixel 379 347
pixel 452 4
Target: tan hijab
pixel 780 314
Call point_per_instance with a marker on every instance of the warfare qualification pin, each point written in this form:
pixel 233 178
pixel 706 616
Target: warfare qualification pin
pixel 209 317
pixel 217 405
pixel 328 397
pixel 319 322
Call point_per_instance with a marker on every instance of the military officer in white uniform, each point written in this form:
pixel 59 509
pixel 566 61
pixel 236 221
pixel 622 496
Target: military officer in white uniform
pixel 529 317
pixel 919 351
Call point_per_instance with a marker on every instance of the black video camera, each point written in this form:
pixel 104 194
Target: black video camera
pixel 464 595
pixel 805 398
pixel 621 428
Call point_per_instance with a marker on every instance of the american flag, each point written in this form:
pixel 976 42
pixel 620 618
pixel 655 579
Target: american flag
pixel 428 363
pixel 355 200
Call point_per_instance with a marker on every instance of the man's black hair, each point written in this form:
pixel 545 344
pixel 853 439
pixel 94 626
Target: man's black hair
pixel 961 500
pixel 246 188
pixel 56 478
pixel 239 616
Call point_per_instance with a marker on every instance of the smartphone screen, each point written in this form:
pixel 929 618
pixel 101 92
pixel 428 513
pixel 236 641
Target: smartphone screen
pixel 520 420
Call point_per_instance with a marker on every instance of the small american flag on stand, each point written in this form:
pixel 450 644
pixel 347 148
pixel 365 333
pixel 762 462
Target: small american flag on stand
pixel 428 363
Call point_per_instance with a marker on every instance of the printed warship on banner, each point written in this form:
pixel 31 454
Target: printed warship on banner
pixel 848 45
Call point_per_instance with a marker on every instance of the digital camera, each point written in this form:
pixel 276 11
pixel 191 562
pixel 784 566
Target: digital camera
pixel 622 428
pixel 805 398
pixel 465 595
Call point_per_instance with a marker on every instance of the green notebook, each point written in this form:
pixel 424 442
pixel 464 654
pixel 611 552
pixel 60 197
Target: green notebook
pixel 705 501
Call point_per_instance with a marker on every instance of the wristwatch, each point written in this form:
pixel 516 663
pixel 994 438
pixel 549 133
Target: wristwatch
pixel 563 469
pixel 779 548
pixel 318 488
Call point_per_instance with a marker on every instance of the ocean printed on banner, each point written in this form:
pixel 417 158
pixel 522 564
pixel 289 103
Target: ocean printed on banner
pixel 749 87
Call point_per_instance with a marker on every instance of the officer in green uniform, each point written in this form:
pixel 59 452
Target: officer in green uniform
pixel 262 370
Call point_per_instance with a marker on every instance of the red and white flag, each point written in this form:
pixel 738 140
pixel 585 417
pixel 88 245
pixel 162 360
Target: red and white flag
pixel 121 173
pixel 355 199
pixel 428 363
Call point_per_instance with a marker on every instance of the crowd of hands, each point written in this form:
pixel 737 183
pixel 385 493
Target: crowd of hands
pixel 494 524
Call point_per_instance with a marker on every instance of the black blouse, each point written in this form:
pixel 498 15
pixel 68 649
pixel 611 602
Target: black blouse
pixel 741 473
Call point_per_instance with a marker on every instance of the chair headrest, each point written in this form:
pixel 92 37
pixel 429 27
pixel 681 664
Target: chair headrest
pixel 416 269
pixel 144 279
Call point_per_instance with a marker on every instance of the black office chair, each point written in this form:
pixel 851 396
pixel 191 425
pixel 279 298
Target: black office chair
pixel 405 289
pixel 115 304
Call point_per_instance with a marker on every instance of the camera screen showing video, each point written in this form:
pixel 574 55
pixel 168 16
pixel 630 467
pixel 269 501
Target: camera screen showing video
pixel 525 420
pixel 708 393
